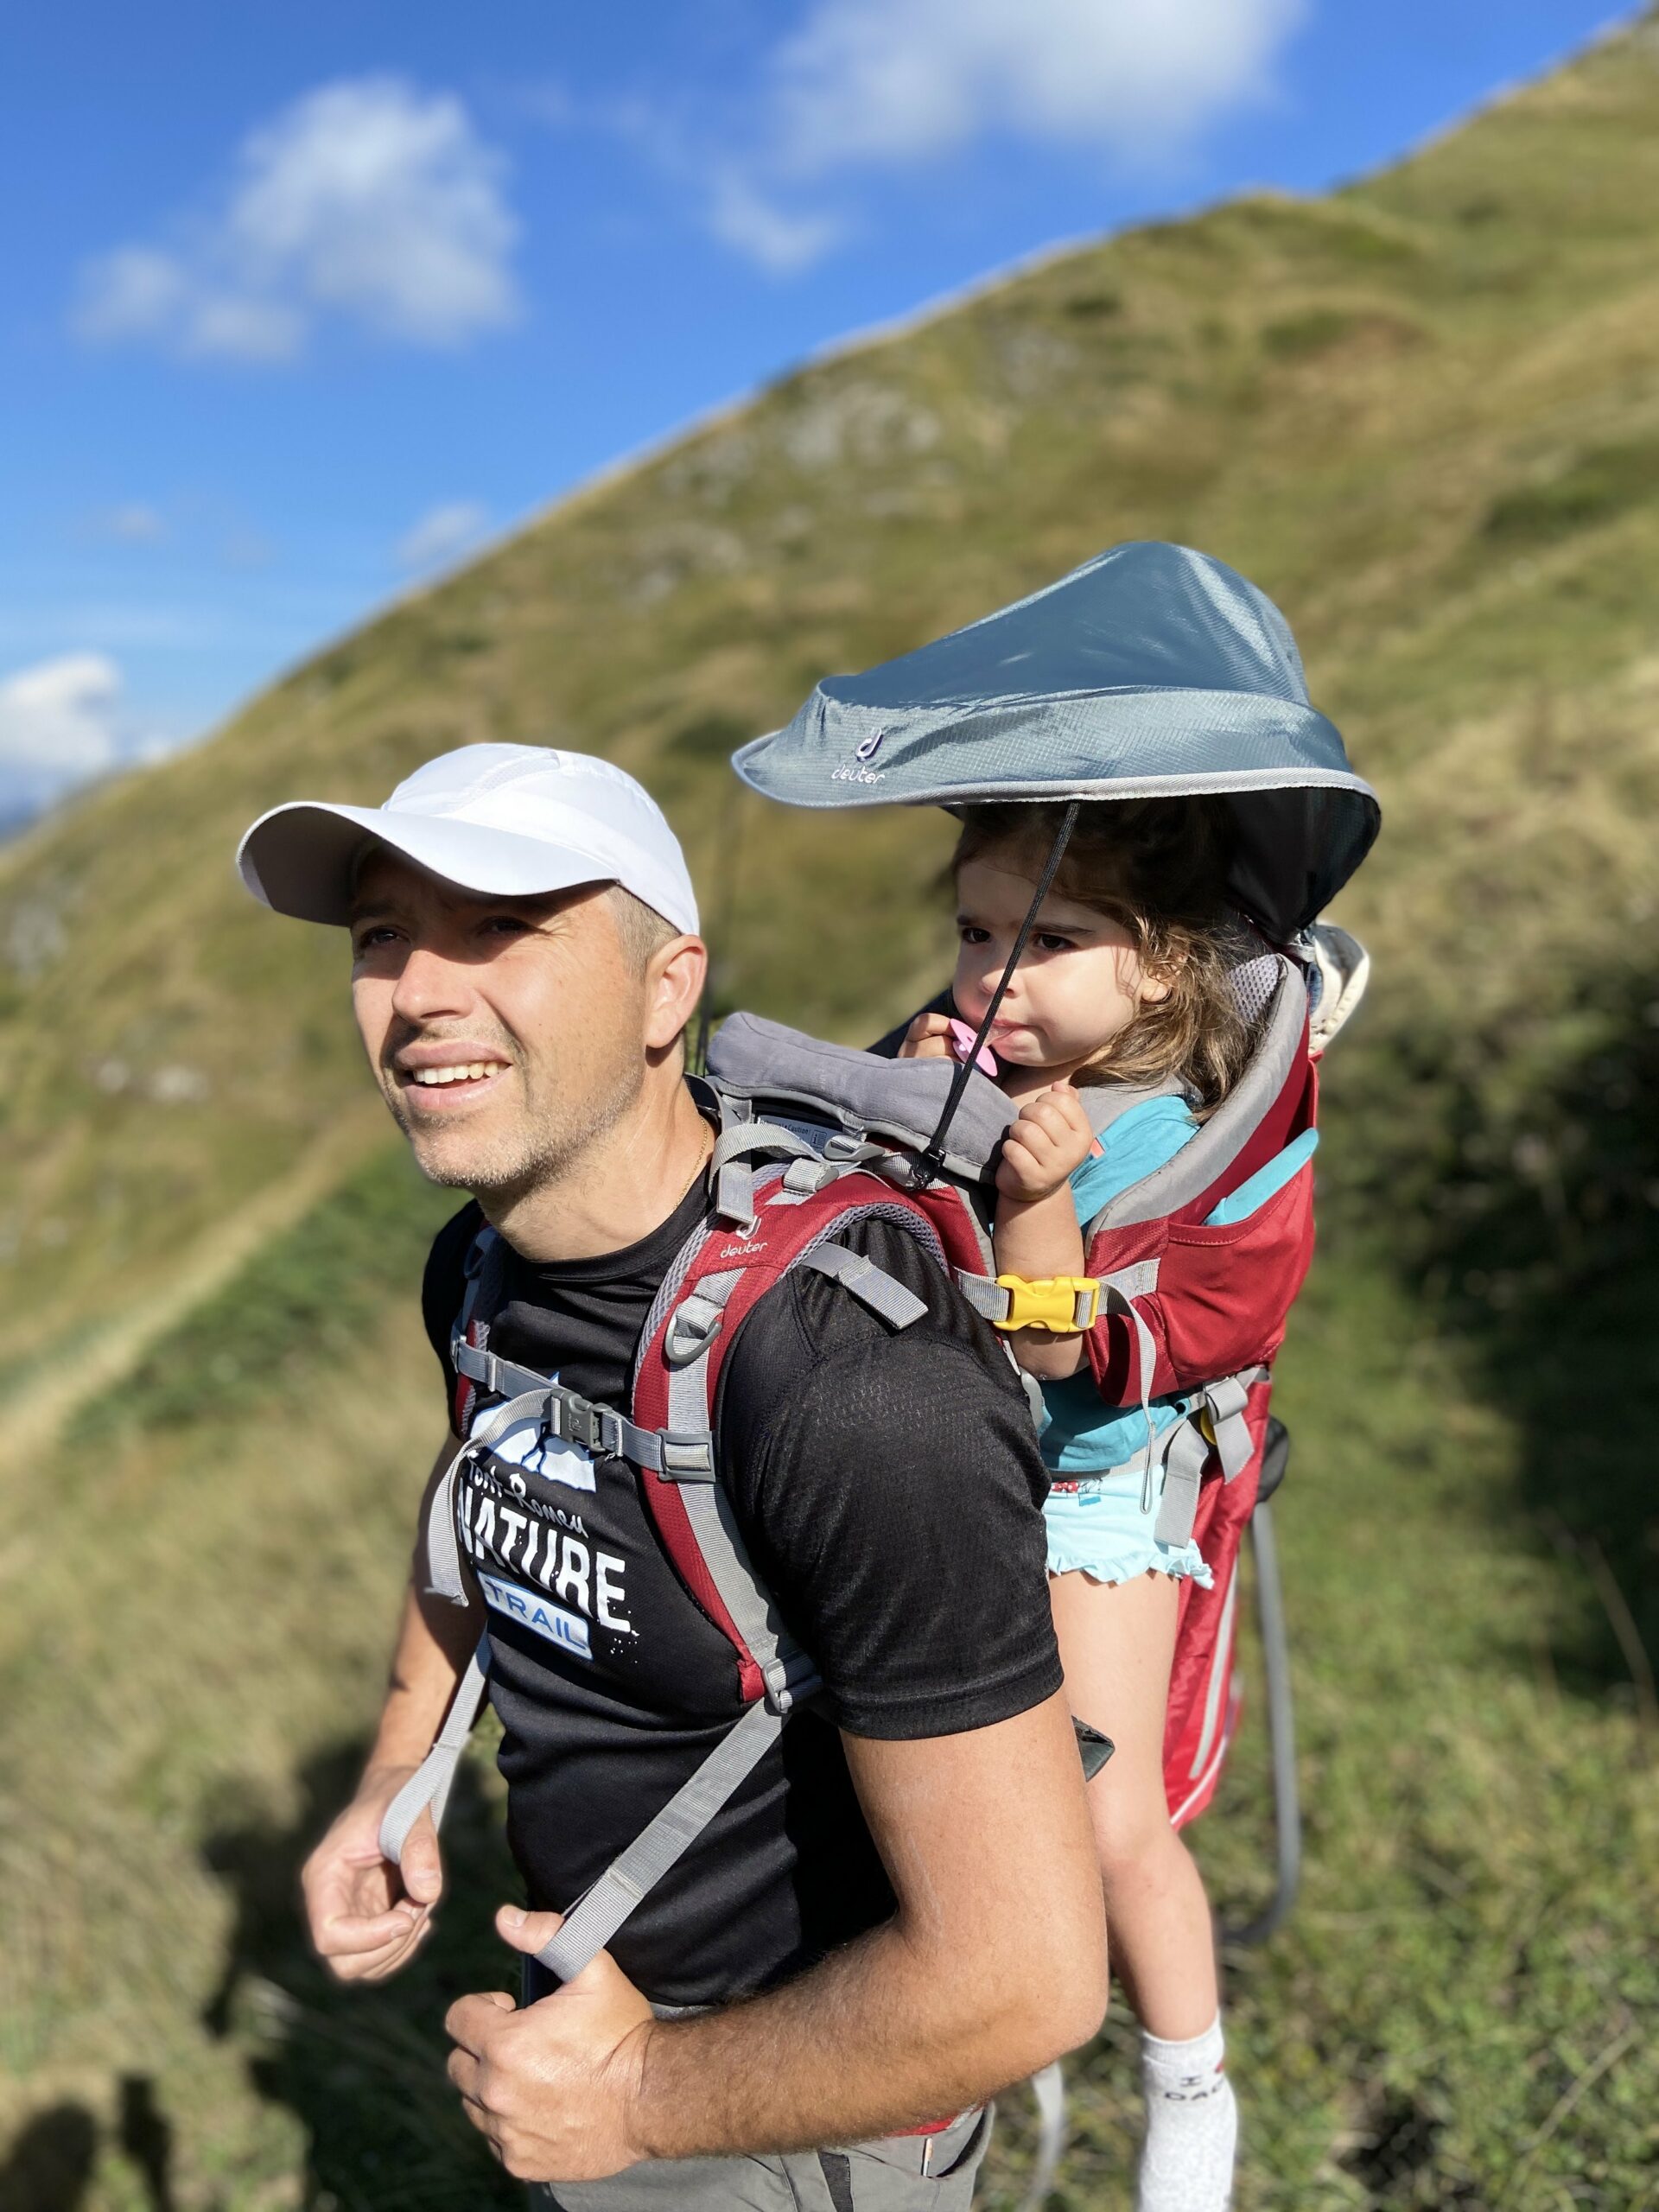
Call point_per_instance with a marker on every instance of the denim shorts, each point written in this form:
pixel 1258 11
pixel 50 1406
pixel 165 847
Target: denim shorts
pixel 1099 1527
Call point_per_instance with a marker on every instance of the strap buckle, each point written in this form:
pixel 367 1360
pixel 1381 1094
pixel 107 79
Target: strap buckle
pixel 608 1436
pixel 581 1422
pixel 1062 1304
pixel 790 1679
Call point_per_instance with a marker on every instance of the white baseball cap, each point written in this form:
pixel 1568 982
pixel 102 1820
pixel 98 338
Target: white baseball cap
pixel 506 820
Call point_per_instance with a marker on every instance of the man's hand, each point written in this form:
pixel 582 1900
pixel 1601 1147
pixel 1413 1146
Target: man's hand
pixel 366 1915
pixel 554 2087
pixel 1051 1138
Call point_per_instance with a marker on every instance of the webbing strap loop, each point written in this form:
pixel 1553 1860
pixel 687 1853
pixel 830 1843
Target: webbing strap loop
pixel 790 1679
pixel 592 1922
pixel 1184 1464
pixel 870 1285
pixel 803 1179
pixel 687 1457
pixel 430 1783
pixel 442 1548
pixel 731 1174
pixel 1217 1418
pixel 1225 1403
pixel 694 1321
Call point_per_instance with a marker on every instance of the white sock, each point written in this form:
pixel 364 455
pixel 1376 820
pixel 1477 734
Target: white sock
pixel 1186 2164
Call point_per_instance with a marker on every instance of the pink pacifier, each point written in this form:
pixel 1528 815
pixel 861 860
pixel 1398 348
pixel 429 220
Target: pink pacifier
pixel 962 1043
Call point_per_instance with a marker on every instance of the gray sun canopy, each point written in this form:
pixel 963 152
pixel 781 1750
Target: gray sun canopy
pixel 1151 671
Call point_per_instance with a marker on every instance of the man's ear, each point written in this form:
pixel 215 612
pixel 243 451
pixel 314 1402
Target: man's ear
pixel 674 978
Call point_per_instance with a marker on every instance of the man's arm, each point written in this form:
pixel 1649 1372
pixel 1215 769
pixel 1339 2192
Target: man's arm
pixel 366 1915
pixel 994 1963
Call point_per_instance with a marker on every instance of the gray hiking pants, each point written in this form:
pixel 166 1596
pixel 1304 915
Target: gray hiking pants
pixel 901 2173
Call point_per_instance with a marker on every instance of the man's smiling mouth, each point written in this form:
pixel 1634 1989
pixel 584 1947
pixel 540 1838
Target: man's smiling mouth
pixel 468 1071
pixel 443 1076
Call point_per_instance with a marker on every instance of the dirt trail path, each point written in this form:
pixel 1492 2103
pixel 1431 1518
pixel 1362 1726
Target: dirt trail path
pixel 33 1418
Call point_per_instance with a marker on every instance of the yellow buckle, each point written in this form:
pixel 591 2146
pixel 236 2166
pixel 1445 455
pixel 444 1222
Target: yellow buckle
pixel 1062 1304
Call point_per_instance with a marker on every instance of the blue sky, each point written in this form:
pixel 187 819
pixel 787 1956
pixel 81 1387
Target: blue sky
pixel 304 302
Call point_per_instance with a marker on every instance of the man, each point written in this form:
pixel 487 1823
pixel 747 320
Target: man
pixel 903 1894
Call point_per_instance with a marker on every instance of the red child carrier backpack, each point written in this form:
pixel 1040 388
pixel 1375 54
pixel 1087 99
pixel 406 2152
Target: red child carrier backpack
pixel 1194 1309
pixel 814 1138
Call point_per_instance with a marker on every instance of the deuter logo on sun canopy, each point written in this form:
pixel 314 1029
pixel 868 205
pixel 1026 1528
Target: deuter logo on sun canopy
pixel 862 772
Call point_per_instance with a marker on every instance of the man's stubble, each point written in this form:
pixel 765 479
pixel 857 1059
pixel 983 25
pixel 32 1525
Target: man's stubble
pixel 563 1118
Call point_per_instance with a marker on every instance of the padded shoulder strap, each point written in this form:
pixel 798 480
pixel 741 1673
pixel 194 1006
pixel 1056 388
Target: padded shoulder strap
pixel 485 1270
pixel 1254 1120
pixel 713 1287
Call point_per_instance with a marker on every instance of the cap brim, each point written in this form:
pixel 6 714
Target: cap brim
pixel 299 858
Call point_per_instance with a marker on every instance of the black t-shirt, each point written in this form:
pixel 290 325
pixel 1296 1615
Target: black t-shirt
pixel 888 1489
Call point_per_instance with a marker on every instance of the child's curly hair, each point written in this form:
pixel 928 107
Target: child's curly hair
pixel 1159 867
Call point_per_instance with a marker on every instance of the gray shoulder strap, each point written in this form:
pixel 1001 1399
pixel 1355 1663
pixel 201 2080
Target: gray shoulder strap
pixel 1106 1103
pixel 592 1922
pixel 1279 1044
pixel 432 1780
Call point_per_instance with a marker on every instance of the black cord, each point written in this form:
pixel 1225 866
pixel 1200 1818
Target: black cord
pixel 931 1160
pixel 719 962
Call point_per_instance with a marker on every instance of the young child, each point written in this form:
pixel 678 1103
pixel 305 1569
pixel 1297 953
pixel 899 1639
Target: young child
pixel 1124 981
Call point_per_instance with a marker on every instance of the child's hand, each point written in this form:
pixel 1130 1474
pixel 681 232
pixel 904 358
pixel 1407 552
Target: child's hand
pixel 928 1038
pixel 1051 1138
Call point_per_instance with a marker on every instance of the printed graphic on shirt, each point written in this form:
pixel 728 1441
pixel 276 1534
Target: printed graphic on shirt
pixel 527 1443
pixel 568 1630
pixel 540 1562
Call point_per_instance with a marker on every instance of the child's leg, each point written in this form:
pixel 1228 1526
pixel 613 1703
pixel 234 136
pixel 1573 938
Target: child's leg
pixel 1116 1643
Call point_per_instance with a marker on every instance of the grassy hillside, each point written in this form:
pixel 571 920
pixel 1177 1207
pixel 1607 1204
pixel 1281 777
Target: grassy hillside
pixel 1424 413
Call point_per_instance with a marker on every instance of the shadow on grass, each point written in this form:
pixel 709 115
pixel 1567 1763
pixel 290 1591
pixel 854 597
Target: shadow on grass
pixel 48 2166
pixel 146 2136
pixel 362 2067
pixel 1548 1248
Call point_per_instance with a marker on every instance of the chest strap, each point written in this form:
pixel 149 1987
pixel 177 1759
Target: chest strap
pixel 671 1455
pixel 572 1419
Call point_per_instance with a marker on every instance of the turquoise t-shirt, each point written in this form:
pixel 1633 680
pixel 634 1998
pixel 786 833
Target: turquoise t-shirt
pixel 1083 1434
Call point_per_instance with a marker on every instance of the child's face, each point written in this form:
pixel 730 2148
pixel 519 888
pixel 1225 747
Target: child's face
pixel 1079 983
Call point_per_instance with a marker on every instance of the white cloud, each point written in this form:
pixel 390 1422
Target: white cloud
pixel 133 524
pixel 890 84
pixel 744 217
pixel 440 534
pixel 59 726
pixel 367 200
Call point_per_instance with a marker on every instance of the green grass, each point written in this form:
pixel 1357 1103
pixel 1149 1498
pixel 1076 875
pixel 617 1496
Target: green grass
pixel 1594 488
pixel 311 1296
